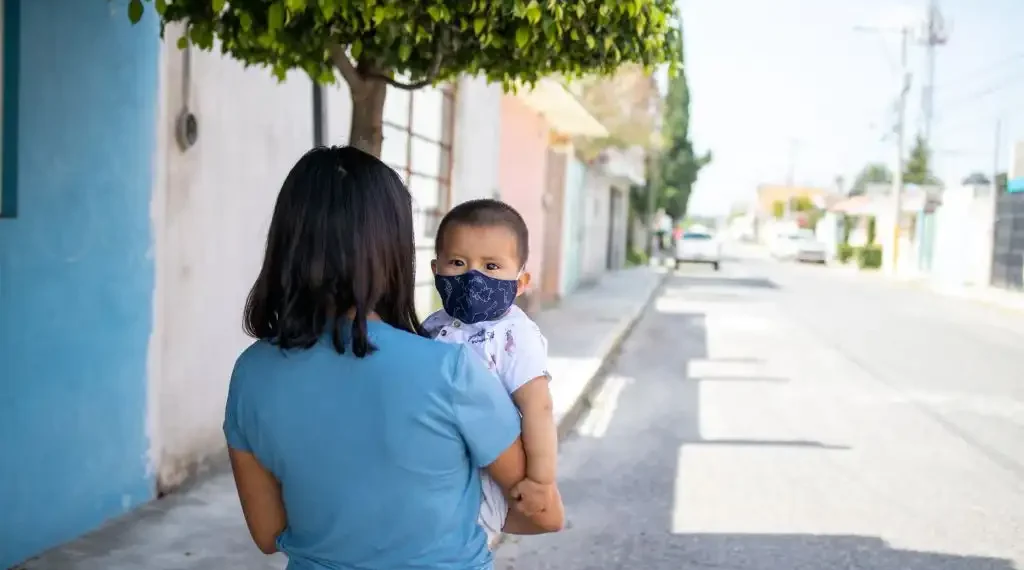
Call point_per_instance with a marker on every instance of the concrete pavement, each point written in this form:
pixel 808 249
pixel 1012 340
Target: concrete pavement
pixel 201 527
pixel 776 417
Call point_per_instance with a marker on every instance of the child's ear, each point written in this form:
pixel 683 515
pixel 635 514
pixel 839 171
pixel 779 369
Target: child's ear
pixel 524 282
pixel 433 266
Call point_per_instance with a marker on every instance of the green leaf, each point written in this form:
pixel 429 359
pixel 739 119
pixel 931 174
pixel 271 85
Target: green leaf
pixel 182 42
pixel 161 6
pixel 245 20
pixel 478 25
pixel 357 49
pixel 435 13
pixel 328 8
pixel 404 51
pixel 296 6
pixel 591 42
pixel 380 13
pixel 533 12
pixel 522 36
pixel 135 11
pixel 218 6
pixel 275 17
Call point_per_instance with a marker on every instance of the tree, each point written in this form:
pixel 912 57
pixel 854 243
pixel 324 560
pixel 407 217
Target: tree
pixel 678 164
pixel 627 103
pixel 918 167
pixel 976 179
pixel 874 173
pixel 410 44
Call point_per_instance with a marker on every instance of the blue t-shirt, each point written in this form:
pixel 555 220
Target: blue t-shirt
pixel 378 457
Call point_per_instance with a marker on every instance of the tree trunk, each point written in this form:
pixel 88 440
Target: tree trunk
pixel 367 131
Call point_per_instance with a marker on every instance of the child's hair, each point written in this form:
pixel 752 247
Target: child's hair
pixel 486 212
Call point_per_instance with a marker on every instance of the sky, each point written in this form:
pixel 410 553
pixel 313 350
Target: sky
pixel 793 84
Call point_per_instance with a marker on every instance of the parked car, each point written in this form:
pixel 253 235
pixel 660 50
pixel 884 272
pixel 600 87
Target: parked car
pixel 802 246
pixel 698 246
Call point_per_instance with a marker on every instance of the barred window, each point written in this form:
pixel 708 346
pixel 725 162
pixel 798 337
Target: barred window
pixel 418 133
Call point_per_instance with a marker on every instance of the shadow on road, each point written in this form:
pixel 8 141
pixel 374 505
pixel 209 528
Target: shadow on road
pixel 620 487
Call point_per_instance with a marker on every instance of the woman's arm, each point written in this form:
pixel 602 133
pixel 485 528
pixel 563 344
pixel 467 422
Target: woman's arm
pixel 260 494
pixel 508 470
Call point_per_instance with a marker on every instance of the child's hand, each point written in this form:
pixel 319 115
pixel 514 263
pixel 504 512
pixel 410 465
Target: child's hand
pixel 533 497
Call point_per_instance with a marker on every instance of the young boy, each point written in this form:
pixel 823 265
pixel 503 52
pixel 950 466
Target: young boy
pixel 481 248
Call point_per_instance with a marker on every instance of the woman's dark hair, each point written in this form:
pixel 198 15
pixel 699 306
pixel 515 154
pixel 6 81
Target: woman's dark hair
pixel 340 246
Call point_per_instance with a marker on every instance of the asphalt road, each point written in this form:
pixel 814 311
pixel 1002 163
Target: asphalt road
pixel 779 417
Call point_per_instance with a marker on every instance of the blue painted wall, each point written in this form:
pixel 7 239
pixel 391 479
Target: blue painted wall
pixel 76 272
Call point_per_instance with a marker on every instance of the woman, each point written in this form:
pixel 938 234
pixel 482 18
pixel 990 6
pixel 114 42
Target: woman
pixel 356 442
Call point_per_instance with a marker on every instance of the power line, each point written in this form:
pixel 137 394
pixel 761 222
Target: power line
pixel 970 76
pixel 977 95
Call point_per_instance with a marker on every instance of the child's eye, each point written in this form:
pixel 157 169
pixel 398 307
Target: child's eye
pixel 456 262
pixel 492 267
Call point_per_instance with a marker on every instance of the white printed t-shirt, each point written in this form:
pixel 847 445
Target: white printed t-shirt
pixel 516 351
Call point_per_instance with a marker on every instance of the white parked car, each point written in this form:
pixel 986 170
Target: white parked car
pixel 802 246
pixel 698 246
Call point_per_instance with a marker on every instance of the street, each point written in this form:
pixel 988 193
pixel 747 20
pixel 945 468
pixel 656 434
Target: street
pixel 781 417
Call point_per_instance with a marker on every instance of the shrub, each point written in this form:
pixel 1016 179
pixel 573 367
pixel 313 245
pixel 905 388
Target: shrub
pixel 636 258
pixel 869 257
pixel 845 252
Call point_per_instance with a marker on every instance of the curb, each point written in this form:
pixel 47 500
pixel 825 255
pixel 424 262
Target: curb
pixel 611 350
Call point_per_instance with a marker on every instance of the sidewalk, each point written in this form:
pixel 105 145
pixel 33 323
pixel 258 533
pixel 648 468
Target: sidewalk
pixel 201 527
pixel 992 296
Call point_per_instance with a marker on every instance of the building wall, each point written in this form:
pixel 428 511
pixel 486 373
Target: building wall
pixel 573 225
pixel 597 224
pixel 618 234
pixel 554 216
pixel 522 176
pixel 76 269
pixel 962 253
pixel 477 140
pixel 213 209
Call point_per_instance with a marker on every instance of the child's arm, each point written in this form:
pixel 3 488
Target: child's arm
pixel 540 435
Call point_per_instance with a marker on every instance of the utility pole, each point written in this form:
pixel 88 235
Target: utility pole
pixel 791 172
pixel 995 158
pixel 935 34
pixel 897 182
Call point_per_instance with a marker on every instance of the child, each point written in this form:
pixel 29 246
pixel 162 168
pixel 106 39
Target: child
pixel 481 248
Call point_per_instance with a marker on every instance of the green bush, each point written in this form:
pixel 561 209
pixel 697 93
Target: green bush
pixel 869 257
pixel 845 252
pixel 636 258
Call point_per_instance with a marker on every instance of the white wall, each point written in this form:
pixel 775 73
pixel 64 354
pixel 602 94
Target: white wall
pixel 477 140
pixel 596 224
pixel 211 214
pixel 963 237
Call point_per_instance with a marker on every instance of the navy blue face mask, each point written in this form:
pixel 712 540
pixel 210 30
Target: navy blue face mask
pixel 473 297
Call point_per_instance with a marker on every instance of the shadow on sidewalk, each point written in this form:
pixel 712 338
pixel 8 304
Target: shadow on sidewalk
pixel 620 480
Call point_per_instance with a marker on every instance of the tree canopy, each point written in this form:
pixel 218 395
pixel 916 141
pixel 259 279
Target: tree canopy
pixel 678 165
pixel 873 173
pixel 411 44
pixel 917 169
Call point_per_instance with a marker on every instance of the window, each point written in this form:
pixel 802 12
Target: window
pixel 418 133
pixel 8 108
